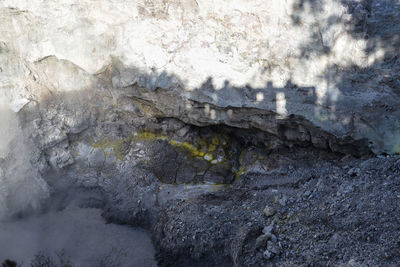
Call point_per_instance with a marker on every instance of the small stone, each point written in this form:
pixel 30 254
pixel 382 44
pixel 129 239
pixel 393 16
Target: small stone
pixel 183 131
pixel 267 255
pixel 283 201
pixel 269 211
pixel 273 238
pixel 268 229
pixel 273 248
pixel 261 241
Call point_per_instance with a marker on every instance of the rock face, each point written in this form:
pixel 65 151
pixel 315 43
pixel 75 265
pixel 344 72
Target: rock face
pixel 190 117
pixel 332 63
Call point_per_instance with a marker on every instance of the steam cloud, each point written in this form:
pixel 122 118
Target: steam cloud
pixel 23 190
pixel 21 187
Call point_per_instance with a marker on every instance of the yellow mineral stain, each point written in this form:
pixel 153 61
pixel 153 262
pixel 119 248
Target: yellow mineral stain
pixel 116 146
pixel 204 148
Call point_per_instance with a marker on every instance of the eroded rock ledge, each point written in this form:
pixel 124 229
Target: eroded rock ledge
pixel 289 130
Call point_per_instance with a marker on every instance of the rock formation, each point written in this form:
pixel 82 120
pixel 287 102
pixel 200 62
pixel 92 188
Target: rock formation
pixel 190 117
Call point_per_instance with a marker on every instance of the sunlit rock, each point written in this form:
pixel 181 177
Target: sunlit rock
pixel 325 59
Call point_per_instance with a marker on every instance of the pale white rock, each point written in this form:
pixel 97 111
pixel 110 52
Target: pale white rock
pixel 18 104
pixel 311 60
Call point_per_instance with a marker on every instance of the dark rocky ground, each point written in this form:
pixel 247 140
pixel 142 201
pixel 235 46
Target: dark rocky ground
pixel 266 202
pixel 324 210
pixel 308 208
pixel 218 195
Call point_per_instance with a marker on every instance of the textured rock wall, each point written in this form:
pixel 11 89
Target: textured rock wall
pixel 155 105
pixel 84 76
pixel 334 63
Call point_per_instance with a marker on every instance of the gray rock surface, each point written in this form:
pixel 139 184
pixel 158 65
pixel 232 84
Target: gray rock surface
pixel 326 72
pixel 191 117
pixel 269 211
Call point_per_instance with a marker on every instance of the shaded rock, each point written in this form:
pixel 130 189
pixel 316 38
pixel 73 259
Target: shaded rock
pixel 283 201
pixel 268 255
pixel 267 230
pixel 261 241
pixel 269 211
pixel 273 247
